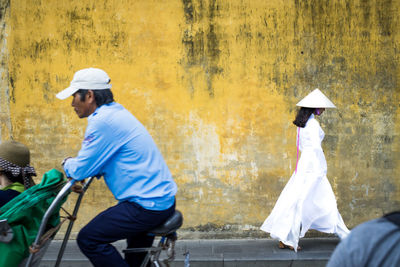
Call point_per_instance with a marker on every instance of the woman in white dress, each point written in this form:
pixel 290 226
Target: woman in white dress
pixel 307 201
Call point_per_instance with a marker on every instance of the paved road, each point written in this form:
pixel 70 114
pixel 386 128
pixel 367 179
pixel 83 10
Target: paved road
pixel 227 252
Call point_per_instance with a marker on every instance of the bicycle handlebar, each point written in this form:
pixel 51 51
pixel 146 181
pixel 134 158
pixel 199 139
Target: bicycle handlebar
pixel 63 192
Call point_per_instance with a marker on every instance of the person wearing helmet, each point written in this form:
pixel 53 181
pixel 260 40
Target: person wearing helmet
pixel 307 201
pixel 15 172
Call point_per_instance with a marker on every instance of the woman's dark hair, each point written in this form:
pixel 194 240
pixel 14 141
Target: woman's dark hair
pixel 101 96
pixel 303 114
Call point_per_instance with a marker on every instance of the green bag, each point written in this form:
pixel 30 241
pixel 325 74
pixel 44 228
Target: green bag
pixel 24 214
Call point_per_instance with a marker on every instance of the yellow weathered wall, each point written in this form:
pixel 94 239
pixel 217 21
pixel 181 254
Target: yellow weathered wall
pixel 216 83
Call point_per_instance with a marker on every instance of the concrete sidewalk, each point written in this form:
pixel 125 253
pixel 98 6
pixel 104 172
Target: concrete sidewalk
pixel 227 252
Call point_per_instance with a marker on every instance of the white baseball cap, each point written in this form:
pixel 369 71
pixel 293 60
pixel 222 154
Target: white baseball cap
pixel 316 99
pixel 90 78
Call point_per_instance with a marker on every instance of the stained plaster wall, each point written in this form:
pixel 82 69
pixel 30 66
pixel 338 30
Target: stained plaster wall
pixel 215 82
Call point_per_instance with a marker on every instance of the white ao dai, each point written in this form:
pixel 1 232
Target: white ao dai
pixel 307 201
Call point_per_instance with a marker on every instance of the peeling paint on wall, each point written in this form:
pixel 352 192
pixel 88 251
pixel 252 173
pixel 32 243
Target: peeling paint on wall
pixel 216 82
pixel 201 44
pixel 5 116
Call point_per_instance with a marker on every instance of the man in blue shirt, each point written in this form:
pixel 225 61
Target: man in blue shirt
pixel 118 147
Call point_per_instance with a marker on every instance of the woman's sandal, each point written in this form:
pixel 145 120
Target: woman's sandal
pixel 281 245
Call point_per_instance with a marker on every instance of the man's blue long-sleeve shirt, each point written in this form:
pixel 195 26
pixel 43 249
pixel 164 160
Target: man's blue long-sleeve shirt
pixel 117 146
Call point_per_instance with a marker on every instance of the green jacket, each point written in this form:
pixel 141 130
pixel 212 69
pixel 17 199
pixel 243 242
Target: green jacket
pixel 24 214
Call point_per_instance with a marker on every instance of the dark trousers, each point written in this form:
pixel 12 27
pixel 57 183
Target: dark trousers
pixel 126 220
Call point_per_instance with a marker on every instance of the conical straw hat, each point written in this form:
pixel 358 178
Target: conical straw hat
pixel 316 99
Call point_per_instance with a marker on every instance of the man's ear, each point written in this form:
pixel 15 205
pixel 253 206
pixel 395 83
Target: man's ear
pixel 90 96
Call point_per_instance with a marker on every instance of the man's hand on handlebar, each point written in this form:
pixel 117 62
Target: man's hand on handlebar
pixel 77 188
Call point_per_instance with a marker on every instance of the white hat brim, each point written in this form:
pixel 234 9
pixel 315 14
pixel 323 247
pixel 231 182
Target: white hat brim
pixel 316 99
pixel 73 89
pixel 67 92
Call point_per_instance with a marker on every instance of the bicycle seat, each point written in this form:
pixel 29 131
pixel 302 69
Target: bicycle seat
pixel 169 226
